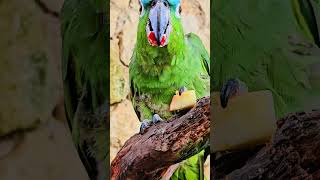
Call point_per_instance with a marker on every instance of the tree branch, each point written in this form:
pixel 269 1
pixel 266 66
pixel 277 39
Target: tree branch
pixel 293 153
pixel 164 144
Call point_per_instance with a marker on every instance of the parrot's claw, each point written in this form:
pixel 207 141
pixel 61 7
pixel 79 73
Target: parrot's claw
pixel 182 89
pixel 144 125
pixel 156 118
pixel 147 123
pixel 233 87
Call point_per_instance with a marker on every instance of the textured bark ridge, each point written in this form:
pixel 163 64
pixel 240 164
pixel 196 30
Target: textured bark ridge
pixel 293 153
pixel 166 143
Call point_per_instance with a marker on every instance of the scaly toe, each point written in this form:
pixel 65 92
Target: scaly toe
pixel 144 126
pixel 156 118
pixel 182 89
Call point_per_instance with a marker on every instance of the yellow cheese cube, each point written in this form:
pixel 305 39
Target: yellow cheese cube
pixel 186 100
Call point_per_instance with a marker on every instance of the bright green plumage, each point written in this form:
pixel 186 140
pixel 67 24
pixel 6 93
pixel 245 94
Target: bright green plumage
pixel 84 71
pixel 157 73
pixel 268 44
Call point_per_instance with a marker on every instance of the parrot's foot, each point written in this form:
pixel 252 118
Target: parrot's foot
pixel 144 125
pixel 182 90
pixel 232 88
pixel 156 118
pixel 147 123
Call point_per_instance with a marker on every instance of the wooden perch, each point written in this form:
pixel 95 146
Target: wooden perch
pixel 164 144
pixel 293 153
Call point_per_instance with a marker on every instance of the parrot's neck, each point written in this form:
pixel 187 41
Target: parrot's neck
pixel 155 59
pixel 158 56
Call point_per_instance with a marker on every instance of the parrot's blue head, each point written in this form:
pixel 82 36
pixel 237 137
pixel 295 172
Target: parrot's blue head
pixel 159 25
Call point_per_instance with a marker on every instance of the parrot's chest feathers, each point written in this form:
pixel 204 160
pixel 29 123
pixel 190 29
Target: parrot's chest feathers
pixel 159 87
pixel 162 74
pixel 157 73
pixel 165 71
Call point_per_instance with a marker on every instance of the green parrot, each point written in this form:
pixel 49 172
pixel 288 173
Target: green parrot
pixel 86 81
pixel 165 60
pixel 267 45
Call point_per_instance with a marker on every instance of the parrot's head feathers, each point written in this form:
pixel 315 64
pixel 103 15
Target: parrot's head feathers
pixel 159 19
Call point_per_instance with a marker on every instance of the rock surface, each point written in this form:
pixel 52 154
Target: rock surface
pixel 35 141
pixel 28 68
pixel 124 128
pixel 43 153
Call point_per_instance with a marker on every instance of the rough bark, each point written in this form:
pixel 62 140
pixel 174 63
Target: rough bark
pixel 293 153
pixel 148 155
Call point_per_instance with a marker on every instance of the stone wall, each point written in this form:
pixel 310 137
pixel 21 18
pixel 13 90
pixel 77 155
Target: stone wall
pixel 35 141
pixel 123 27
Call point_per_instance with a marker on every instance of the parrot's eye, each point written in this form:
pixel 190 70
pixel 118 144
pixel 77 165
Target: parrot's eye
pixel 178 11
pixel 166 3
pixel 153 3
pixel 141 9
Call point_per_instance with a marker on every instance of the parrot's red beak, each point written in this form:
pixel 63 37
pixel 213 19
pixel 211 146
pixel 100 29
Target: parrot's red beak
pixel 159 25
pixel 153 40
pixel 163 40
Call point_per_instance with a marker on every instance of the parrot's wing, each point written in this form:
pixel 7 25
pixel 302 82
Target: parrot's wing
pixel 70 96
pixel 133 92
pixel 191 168
pixel 198 47
pixel 306 15
pixel 264 56
pixel 316 10
pixel 85 78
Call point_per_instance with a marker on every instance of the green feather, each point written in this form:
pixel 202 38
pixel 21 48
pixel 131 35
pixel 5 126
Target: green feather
pixel 157 73
pixel 267 45
pixel 183 62
pixel 84 72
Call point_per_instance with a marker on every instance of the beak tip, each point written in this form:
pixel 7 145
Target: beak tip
pixel 163 40
pixel 154 41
